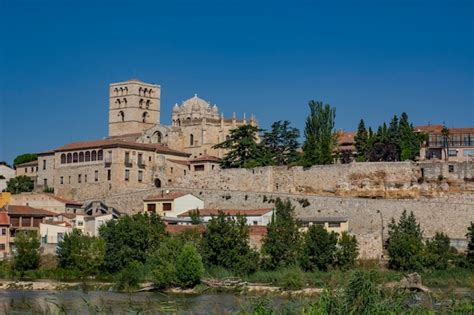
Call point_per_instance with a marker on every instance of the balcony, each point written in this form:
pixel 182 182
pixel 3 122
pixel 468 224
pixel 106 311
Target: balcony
pixel 451 144
pixel 128 163
pixel 107 161
pixel 141 164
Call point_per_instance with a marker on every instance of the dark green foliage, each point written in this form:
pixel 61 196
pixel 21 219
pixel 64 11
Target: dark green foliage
pixel 361 142
pixel 281 143
pixel 195 216
pixel 292 278
pixel 130 277
pixel 27 255
pixel 189 267
pixel 319 248
pixel 282 243
pixel 226 244
pixel 346 157
pixel 243 150
pixel 437 252
pixel 20 184
pixel 82 253
pixel 131 238
pixel 320 136
pixel 347 250
pixel 470 245
pixel 163 261
pixel 24 158
pixel 405 243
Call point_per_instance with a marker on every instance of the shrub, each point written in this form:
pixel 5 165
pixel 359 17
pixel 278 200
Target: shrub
pixel 162 261
pixel 27 251
pixel 319 248
pixel 347 250
pixel 20 184
pixel 470 246
pixel 437 252
pixel 130 277
pixel 292 278
pixel 189 267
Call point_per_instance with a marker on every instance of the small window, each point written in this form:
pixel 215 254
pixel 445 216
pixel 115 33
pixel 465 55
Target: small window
pixel 79 178
pixel 109 175
pixel 198 168
pixel 44 164
pixel 81 156
pixel 63 158
pixel 255 222
pixel 69 179
pixel 451 168
pixel 334 224
pixel 191 140
pixel 127 157
pixel 80 223
pixel 75 158
pixel 45 182
pixel 167 206
pixel 452 152
pixel 2 247
pixel 127 175
pixel 171 170
pixel 94 156
pixel 96 176
pixel 4 231
pixel 140 176
pixel 85 178
pixel 151 207
pixel 26 169
pixel 61 180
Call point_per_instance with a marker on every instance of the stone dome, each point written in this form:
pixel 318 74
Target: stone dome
pixel 195 104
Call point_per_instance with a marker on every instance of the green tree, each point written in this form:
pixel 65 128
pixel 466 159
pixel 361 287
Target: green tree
pixel 243 151
pixel 226 244
pixel 163 261
pixel 347 250
pixel 24 158
pixel 361 142
pixel 281 244
pixel 19 184
pixel 319 248
pixel 410 141
pixel 80 252
pixel 27 255
pixel 131 238
pixel 446 140
pixel 470 245
pixel 189 267
pixel 195 216
pixel 281 143
pixel 320 137
pixel 405 243
pixel 437 252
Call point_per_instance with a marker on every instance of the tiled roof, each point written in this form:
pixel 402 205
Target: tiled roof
pixel 4 218
pixel 179 228
pixel 345 137
pixel 436 129
pixel 117 143
pixel 27 210
pixel 60 223
pixel 232 212
pixel 165 197
pixel 206 158
pixel 186 163
pixel 67 215
pixel 66 201
pixel 31 163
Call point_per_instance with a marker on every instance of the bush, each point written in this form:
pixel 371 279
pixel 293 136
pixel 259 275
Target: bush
pixel 189 267
pixel 319 248
pixel 470 246
pixel 347 250
pixel 292 278
pixel 162 261
pixel 27 251
pixel 20 184
pixel 437 252
pixel 130 277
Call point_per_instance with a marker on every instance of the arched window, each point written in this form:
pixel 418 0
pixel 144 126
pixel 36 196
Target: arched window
pixel 63 158
pixel 125 100
pixel 157 183
pixel 140 102
pixel 126 90
pixel 145 91
pixel 94 156
pixel 150 92
pixel 81 156
pixel 157 137
pixel 144 116
pixel 69 158
pixel 100 155
pixel 191 140
pixel 121 91
pixel 179 122
pixel 88 156
pixel 74 158
pixel 148 104
pixel 122 115
pixel 140 91
pixel 116 91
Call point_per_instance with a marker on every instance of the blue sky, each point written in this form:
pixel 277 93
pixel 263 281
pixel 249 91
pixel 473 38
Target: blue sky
pixel 369 59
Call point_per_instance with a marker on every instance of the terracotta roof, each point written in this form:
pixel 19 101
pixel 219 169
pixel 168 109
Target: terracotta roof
pixel 232 212
pixel 257 230
pixel 61 223
pixel 31 163
pixel 206 158
pixel 112 143
pixel 186 163
pixel 436 129
pixel 27 210
pixel 4 218
pixel 66 201
pixel 67 215
pixel 179 228
pixel 345 137
pixel 164 196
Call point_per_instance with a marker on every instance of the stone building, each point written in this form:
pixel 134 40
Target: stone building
pixel 6 173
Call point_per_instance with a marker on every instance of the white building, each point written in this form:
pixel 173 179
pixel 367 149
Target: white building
pixel 261 217
pixel 53 232
pixel 6 172
pixel 94 223
pixel 172 204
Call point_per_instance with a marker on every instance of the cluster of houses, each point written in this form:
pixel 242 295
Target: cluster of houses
pixel 52 217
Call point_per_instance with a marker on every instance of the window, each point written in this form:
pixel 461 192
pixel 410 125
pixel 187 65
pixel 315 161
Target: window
pixel 171 170
pixel 468 153
pixel 109 175
pixel 140 176
pixel 127 175
pixel 4 231
pixel 122 115
pixel 69 179
pixel 100 155
pixel 75 158
pixel 127 157
pixel 151 207
pixel 45 182
pixel 85 178
pixel 334 224
pixel 191 140
pixel 144 116
pixel 63 158
pixel 140 159
pixel 88 156
pixel 2 247
pixel 80 223
pixel 32 170
pixel 452 152
pixel 69 158
pixel 255 222
pixel 44 164
pixel 451 168
pixel 81 156
pixel 96 176
pixel 26 169
pixel 79 178
pixel 94 156
pixel 167 206
pixel 147 104
pixel 198 168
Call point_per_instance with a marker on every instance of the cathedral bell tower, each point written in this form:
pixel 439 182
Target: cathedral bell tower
pixel 134 107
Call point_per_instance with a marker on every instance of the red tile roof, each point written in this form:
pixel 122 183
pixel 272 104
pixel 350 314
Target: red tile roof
pixel 27 210
pixel 206 158
pixel 67 215
pixel 345 137
pixel 31 163
pixel 117 143
pixel 4 218
pixel 179 228
pixel 231 212
pixel 165 196
pixel 182 162
pixel 61 223
pixel 66 201
pixel 436 129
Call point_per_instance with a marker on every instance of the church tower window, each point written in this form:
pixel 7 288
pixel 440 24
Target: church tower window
pixel 191 140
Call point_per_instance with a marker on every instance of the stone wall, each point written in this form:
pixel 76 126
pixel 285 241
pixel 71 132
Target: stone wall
pixel 365 215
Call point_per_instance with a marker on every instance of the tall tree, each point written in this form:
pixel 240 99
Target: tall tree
pixel 20 184
pixel 242 148
pixel 23 158
pixel 27 255
pixel 319 248
pixel 470 245
pixel 319 133
pixel 446 140
pixel 281 142
pixel 410 141
pixel 281 244
pixel 361 141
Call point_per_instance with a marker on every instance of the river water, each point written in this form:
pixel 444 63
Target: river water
pixel 103 302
